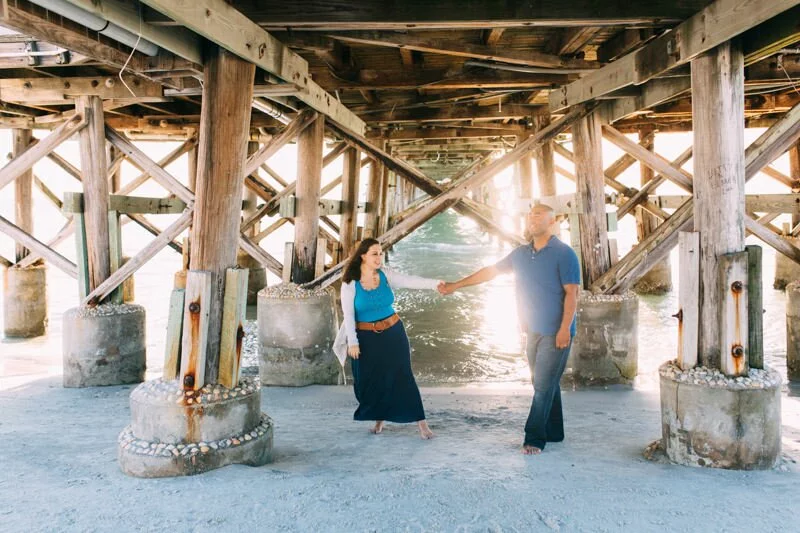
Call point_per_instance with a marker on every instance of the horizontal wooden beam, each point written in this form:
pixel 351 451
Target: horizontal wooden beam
pixel 51 91
pixel 717 23
pixel 756 203
pixel 455 113
pixel 462 49
pixel 449 14
pixel 223 24
pixel 132 204
pixel 445 132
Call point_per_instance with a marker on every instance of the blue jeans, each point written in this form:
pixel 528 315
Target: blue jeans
pixel 545 421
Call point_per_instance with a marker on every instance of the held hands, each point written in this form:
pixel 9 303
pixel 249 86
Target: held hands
pixel 562 338
pixel 446 288
pixel 353 351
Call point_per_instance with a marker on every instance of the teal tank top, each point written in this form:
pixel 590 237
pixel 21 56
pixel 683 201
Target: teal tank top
pixel 374 305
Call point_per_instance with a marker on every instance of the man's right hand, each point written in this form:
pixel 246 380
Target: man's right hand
pixel 353 351
pixel 446 288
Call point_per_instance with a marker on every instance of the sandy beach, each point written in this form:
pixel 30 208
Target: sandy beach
pixel 60 471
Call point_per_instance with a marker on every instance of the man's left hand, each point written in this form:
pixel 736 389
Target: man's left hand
pixel 562 338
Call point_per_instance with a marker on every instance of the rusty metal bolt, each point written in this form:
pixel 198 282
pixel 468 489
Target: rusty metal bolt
pixel 737 350
pixel 240 333
pixel 737 286
pixel 194 307
pixel 678 315
pixel 188 380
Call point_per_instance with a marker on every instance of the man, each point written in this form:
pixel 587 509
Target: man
pixel 548 280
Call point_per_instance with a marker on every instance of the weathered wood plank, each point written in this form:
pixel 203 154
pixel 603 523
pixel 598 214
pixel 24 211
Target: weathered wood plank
pixel 374 193
pixel 164 162
pixel 641 195
pixel 234 308
pixel 38 247
pixel 260 255
pixel 755 309
pixel 52 91
pixel 733 313
pixel 689 288
pixel 289 133
pixel 172 353
pixel 350 185
pixel 196 323
pixel 319 266
pixel 23 190
pixel 288 257
pixel 115 251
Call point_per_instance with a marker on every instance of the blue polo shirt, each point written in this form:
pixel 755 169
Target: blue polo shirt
pixel 540 279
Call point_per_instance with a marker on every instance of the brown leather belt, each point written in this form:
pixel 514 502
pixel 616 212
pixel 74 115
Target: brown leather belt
pixel 379 326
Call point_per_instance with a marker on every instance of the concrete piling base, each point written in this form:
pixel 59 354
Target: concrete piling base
pixel 25 301
pixel 296 329
pixel 710 420
pixel 786 270
pixel 793 331
pixel 605 349
pixel 104 345
pixel 256 279
pixel 179 433
pixel 657 281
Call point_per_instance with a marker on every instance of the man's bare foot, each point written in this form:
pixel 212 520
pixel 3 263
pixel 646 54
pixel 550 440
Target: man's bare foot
pixel 528 449
pixel 378 427
pixel 424 431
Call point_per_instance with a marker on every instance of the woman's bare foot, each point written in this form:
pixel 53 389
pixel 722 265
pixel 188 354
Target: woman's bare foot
pixel 424 431
pixel 528 449
pixel 378 428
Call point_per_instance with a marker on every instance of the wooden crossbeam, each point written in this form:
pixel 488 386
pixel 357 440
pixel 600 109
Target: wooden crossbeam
pixel 38 247
pixel 462 49
pixel 289 133
pixel 717 23
pixel 53 91
pixel 640 196
pixel 164 162
pixel 452 195
pixel 229 28
pixel 116 279
pixel 35 152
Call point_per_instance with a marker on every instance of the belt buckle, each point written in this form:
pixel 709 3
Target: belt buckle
pixel 376 330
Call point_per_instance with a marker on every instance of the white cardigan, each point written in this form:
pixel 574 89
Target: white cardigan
pixel 347 332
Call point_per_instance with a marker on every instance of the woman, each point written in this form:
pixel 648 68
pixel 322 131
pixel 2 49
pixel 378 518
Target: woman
pixel 376 341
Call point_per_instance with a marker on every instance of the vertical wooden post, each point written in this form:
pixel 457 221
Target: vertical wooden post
pixel 309 176
pixel 734 321
pixel 645 222
pixel 755 308
pixel 233 319
pixel 23 190
pixel 586 139
pixel 718 118
pixel 350 183
pixel 374 192
pixel 288 258
pixel 115 180
pixel 545 166
pixel 172 352
pixel 115 251
pixel 196 329
pixel 95 188
pixel 688 312
pixel 384 202
pixel 524 175
pixel 224 128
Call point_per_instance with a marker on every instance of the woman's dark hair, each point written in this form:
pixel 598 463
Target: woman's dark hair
pixel 353 269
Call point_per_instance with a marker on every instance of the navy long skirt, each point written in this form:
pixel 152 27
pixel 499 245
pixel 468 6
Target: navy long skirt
pixel 384 385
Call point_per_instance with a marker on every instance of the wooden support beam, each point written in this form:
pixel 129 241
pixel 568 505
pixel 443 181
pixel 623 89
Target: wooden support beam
pixel 258 253
pixel 350 186
pixel 185 147
pixel 23 190
pixel 25 160
pixel 454 113
pixel 451 14
pixel 153 230
pixel 38 247
pixel 288 134
pixel 733 291
pixel 689 310
pixel 196 325
pixel 309 175
pixel 570 41
pixel 172 356
pixel 234 309
pixel 95 189
pixel 462 49
pixel 457 191
pixel 755 306
pixel 65 231
pixel 492 37
pixel 229 28
pixel 641 196
pixel 587 142
pixel 164 178
pixel 222 150
pixel 374 194
pixel 545 164
pixel 55 91
pixel 714 25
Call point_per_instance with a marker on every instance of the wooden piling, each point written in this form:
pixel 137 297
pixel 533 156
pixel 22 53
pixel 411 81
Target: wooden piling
pixel 23 190
pixel 586 138
pixel 350 184
pixel 376 171
pixel 755 308
pixel 224 129
pixel 719 176
pixel 545 165
pixel 95 188
pixel 309 176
